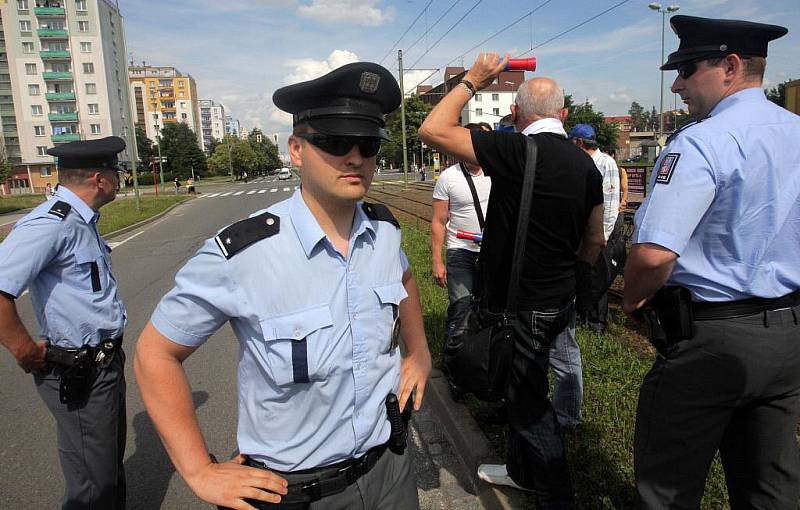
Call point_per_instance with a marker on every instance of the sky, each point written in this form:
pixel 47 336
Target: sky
pixel 240 52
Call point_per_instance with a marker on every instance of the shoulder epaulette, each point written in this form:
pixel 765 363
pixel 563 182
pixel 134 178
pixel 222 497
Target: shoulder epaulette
pixel 379 212
pixel 60 209
pixel 238 236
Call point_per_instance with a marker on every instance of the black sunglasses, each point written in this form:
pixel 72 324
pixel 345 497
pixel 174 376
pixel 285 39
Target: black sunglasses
pixel 341 145
pixel 686 69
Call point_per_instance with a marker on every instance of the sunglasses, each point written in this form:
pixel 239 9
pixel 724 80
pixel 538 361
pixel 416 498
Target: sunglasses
pixel 686 69
pixel 342 145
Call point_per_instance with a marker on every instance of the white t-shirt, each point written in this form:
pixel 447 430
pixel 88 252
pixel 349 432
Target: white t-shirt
pixel 452 186
pixel 608 168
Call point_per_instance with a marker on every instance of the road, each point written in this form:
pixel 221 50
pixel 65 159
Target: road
pixel 145 262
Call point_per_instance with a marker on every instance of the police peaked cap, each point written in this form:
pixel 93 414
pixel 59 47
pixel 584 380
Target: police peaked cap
pixel 349 101
pixel 100 153
pixel 703 38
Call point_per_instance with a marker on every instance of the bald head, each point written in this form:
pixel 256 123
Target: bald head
pixel 538 98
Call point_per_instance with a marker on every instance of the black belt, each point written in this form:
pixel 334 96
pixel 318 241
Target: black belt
pixel 98 353
pixel 742 308
pixel 325 481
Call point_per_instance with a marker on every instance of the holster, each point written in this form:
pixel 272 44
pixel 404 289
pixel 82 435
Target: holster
pixel 76 380
pixel 669 315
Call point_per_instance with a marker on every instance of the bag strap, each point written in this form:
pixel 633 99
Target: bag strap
pixel 475 201
pixel 532 150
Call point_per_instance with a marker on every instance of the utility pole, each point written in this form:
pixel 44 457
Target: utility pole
pixel 230 163
pixel 403 115
pixel 160 164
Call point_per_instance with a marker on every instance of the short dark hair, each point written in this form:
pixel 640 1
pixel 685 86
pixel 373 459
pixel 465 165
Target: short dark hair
pixel 754 67
pixel 78 176
pixel 478 126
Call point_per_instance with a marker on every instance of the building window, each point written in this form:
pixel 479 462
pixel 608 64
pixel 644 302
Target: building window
pixel 478 112
pixel 478 98
pixel 95 129
pixel 33 90
pixel 22 5
pixel 495 97
pixel 38 130
pixel 94 108
pixel 30 68
pixel 88 68
pixel 83 26
pixel 496 111
pixel 91 88
pixel 44 171
pixel 80 5
pixel 36 110
pixel 184 116
pixel 27 47
pixel 86 47
pixel 41 150
pixel 25 25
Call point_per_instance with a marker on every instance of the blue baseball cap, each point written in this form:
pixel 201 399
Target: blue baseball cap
pixel 584 131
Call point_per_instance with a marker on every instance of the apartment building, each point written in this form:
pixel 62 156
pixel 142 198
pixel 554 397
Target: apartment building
pixel 212 121
pixel 162 94
pixel 489 105
pixel 232 126
pixel 63 77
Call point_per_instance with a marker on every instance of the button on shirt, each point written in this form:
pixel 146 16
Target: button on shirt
pixel 62 261
pixel 725 197
pixel 314 329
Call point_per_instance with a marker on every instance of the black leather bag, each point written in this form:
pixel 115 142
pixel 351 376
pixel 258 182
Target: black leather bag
pixel 478 357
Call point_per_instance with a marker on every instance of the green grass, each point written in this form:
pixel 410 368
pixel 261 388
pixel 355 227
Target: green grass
pixel 17 202
pixel 601 456
pixel 122 213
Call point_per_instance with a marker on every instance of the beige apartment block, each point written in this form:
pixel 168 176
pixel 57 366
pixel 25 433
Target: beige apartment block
pixel 63 77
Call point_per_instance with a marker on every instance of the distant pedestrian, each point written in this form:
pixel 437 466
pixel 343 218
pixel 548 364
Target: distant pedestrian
pixel 244 176
pixel 177 185
pixel 48 190
pixel 190 186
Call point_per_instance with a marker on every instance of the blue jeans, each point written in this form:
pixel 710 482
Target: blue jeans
pixel 460 279
pixel 536 458
pixel 565 360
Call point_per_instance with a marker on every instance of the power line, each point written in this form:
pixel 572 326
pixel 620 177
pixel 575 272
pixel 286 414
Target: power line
pixel 448 31
pixel 406 50
pixel 409 28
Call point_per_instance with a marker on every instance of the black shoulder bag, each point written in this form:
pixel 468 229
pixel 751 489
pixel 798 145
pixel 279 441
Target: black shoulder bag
pixel 475 200
pixel 478 356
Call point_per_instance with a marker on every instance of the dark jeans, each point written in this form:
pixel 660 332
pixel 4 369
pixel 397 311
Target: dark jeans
pixel 536 458
pixel 460 279
pixel 734 387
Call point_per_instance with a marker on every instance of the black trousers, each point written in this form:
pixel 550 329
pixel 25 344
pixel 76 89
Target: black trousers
pixel 734 387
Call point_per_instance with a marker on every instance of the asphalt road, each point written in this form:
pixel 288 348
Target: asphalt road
pixel 145 263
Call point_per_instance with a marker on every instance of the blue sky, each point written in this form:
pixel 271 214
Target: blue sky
pixel 241 51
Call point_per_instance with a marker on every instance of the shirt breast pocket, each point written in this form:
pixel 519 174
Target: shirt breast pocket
pixel 389 297
pixel 90 270
pixel 297 345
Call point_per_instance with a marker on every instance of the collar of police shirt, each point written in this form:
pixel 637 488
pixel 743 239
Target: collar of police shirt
pixel 548 125
pixel 86 212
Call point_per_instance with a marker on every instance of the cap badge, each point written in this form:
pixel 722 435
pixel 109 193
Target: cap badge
pixel 723 47
pixel 369 82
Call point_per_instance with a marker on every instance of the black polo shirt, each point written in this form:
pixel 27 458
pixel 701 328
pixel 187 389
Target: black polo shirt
pixel 567 187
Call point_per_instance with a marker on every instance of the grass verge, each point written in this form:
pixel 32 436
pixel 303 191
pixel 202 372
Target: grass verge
pixel 17 202
pixel 122 213
pixel 601 455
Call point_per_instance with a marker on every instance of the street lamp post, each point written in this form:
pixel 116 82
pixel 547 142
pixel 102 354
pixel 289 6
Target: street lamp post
pixel 672 8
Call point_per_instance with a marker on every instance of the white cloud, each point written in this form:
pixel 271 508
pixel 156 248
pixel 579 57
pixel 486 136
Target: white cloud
pixel 620 96
pixel 419 77
pixel 308 69
pixel 357 12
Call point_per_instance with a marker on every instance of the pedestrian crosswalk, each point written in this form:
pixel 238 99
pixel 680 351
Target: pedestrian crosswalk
pixel 221 194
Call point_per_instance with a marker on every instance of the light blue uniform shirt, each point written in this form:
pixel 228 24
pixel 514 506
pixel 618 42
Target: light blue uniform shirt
pixel 54 258
pixel 725 197
pixel 297 306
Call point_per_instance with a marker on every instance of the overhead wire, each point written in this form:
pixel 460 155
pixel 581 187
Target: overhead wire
pixel 407 30
pixel 406 50
pixel 448 31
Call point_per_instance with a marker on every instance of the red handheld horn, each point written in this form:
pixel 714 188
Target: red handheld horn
pixel 521 64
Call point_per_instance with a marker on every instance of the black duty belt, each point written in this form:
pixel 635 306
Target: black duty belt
pixel 316 483
pixel 100 354
pixel 742 308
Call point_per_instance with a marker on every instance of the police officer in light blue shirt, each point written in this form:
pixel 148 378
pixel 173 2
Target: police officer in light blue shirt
pixel 57 253
pixel 313 287
pixel 720 231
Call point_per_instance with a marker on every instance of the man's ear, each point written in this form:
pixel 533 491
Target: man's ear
pixel 295 145
pixel 564 114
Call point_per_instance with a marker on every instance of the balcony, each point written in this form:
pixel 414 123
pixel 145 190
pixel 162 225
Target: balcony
pixel 49 11
pixel 54 54
pixel 52 33
pixel 57 75
pixel 63 117
pixel 60 96
pixel 66 137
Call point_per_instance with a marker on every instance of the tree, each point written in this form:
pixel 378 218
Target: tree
pixel 777 94
pixel 607 133
pixel 212 145
pixel 180 148
pixel 266 152
pixel 144 147
pixel 392 150
pixel 638 117
pixel 233 153
pixel 6 168
pixel 652 120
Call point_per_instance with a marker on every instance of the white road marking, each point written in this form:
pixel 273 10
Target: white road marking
pixel 120 243
pixel 262 191
pixel 213 195
pixel 273 190
pixel 226 194
pixel 287 189
pixel 238 193
pixel 251 192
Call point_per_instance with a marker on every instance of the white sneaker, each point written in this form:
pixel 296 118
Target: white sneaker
pixel 497 474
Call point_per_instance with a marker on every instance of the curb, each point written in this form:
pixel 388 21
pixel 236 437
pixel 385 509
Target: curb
pixel 468 440
pixel 125 230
